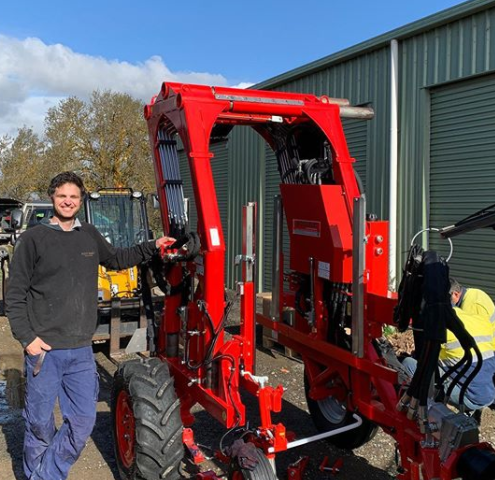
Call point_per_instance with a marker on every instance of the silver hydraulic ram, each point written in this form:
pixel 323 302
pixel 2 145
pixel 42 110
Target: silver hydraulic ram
pixel 277 257
pixel 248 260
pixel 358 266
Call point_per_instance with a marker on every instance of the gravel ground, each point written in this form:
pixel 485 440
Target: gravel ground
pixel 373 461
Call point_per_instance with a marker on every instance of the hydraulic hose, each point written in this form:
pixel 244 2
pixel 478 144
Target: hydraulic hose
pixel 208 358
pixel 433 318
pixel 427 365
pixel 410 291
pixel 467 342
pixel 451 370
pixel 431 366
pixel 472 375
pixel 424 299
pixel 458 376
pixel 413 390
pixel 192 243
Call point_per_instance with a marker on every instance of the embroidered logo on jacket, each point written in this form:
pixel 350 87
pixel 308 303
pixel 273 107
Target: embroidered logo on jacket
pixel 88 254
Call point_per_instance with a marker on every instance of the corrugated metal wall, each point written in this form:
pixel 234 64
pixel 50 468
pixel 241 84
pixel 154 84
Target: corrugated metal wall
pixel 246 184
pixel 356 132
pixel 462 174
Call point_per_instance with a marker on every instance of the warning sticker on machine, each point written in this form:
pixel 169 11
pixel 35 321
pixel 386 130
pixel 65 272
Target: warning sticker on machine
pixel 324 270
pixel 307 228
pixel 215 237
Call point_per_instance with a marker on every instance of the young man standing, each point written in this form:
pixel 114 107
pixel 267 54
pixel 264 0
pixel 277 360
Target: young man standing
pixel 52 308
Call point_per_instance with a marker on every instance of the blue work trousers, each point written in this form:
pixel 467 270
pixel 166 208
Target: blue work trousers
pixel 479 393
pixel 69 376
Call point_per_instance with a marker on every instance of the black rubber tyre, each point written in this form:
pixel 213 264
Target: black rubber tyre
pixel 330 414
pixel 262 471
pixel 147 427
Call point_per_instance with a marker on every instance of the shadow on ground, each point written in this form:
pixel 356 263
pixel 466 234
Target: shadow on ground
pixel 11 419
pixel 103 440
pixel 208 434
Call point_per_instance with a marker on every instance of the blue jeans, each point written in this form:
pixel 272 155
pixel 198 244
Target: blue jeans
pixel 69 375
pixel 410 365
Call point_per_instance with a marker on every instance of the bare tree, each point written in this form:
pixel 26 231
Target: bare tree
pixel 104 139
pixel 21 160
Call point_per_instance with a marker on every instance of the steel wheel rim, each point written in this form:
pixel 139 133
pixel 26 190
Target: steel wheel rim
pixel 333 410
pixel 125 429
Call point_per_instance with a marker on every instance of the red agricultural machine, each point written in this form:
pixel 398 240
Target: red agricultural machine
pixel 330 306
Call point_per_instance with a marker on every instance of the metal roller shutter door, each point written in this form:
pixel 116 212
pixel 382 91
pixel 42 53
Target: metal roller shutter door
pixel 462 174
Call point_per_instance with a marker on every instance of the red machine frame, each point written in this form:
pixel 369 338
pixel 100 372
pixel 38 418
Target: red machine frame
pixel 336 217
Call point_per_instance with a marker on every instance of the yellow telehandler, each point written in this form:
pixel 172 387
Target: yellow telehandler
pixel 127 300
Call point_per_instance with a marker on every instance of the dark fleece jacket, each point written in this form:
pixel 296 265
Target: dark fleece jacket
pixel 52 288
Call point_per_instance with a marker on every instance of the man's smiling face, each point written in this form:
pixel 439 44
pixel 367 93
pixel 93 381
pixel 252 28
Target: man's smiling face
pixel 67 201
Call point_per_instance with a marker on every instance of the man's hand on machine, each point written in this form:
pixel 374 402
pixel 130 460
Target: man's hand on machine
pixel 184 248
pixel 164 242
pixel 167 247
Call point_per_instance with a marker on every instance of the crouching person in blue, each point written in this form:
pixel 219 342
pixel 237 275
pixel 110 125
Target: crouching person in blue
pixel 51 305
pixel 481 391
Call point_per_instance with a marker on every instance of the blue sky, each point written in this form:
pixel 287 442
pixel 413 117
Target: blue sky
pixel 53 49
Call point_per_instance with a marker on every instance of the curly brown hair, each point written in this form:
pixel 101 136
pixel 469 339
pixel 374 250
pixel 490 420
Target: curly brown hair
pixel 62 179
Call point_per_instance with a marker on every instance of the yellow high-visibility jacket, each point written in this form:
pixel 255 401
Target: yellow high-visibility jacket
pixel 479 327
pixel 478 302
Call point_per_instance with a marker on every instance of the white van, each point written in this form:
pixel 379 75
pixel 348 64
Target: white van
pixel 34 213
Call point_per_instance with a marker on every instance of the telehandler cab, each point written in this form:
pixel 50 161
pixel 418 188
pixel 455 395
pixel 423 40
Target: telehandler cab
pixel 127 300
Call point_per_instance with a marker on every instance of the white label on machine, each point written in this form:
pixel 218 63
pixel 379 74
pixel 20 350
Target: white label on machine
pixel 215 238
pixel 306 228
pixel 324 270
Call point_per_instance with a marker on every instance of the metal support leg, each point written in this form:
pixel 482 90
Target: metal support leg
pixel 277 265
pixel 247 288
pixel 115 314
pixel 358 266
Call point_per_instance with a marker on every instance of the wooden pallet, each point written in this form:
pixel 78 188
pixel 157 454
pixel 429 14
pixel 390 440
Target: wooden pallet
pixel 269 339
pixel 270 342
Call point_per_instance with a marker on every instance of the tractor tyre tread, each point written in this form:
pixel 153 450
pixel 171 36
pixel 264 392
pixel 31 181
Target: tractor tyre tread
pixel 158 425
pixel 262 471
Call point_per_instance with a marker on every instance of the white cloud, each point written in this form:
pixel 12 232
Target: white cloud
pixel 35 76
pixel 243 85
pixel 29 112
